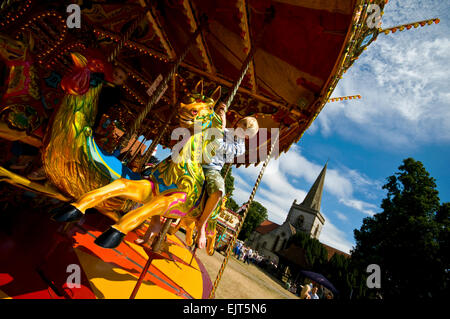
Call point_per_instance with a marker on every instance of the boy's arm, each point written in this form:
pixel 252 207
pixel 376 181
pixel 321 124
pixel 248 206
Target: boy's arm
pixel 231 148
pixel 240 146
pixel 221 111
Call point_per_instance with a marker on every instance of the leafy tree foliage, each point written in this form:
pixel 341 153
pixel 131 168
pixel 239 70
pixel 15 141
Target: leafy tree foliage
pixel 339 270
pixel 229 181
pixel 409 238
pixel 231 204
pixel 443 220
pixel 346 277
pixel 316 255
pixel 229 189
pixel 257 213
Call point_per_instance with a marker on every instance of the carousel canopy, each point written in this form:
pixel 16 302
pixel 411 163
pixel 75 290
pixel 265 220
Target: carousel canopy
pixel 300 54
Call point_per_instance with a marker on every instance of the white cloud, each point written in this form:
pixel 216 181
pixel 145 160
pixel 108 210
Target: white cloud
pixel 403 79
pixel 364 207
pixel 334 237
pixel 277 183
pixel 341 216
pixel 278 208
pixel 277 191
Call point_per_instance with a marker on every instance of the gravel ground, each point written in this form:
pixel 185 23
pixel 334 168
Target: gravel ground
pixel 241 281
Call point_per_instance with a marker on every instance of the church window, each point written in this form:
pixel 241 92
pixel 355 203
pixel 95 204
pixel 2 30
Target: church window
pixel 276 243
pixel 300 221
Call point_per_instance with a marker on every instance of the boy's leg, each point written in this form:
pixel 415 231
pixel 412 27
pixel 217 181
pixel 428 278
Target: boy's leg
pixel 211 204
pixel 215 187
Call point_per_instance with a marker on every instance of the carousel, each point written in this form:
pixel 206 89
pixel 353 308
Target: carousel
pixel 82 96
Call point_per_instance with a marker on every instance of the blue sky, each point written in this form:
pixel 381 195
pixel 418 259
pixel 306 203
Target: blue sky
pixel 404 82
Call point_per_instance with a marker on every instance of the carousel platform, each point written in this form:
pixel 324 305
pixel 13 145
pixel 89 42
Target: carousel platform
pixel 39 259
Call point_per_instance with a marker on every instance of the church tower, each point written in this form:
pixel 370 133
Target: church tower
pixel 306 216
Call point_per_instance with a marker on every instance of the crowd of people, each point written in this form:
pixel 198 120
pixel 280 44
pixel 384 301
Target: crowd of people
pixel 246 254
pixel 314 291
pixel 310 290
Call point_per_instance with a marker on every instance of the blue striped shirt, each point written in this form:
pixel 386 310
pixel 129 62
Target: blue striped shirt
pixel 229 147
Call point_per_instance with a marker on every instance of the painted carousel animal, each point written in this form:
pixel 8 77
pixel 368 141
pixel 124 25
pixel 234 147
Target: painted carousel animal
pixel 211 232
pixel 72 160
pixel 174 189
pixel 76 165
pixel 21 110
pixel 190 225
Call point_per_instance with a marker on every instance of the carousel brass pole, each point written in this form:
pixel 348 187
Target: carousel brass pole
pixel 125 37
pixel 138 149
pixel 270 14
pixel 127 153
pixel 243 71
pixel 234 90
pixel 228 101
pixel 152 147
pixel 246 64
pixel 241 223
pixel 148 154
pixel 155 249
pixel 193 254
pixel 162 85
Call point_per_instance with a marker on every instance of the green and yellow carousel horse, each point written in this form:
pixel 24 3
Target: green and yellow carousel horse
pixel 80 170
pixel 175 187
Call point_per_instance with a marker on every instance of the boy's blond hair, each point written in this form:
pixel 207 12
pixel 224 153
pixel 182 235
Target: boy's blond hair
pixel 250 125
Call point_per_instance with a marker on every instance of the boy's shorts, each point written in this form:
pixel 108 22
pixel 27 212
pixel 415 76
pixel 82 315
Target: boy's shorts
pixel 214 181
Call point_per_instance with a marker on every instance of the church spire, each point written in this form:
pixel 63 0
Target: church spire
pixel 314 196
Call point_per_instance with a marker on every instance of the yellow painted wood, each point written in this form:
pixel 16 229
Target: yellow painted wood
pixel 3 295
pixel 111 282
pixel 189 278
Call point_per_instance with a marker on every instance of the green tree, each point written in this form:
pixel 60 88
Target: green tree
pixel 229 181
pixel 407 239
pixel 316 255
pixel 257 213
pixel 443 220
pixel 231 204
pixel 338 273
pixel 345 276
pixel 229 189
